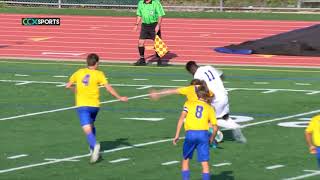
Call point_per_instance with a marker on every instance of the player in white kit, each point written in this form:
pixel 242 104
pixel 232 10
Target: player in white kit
pixel 213 78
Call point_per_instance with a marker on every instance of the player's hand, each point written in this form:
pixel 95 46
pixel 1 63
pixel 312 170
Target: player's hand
pixel 135 28
pixel 154 95
pixel 175 140
pixel 123 98
pixel 313 150
pixel 157 28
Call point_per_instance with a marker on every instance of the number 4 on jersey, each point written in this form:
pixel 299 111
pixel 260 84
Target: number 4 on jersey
pixel 86 79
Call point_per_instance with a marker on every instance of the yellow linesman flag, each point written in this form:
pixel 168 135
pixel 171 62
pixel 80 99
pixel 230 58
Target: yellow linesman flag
pixel 160 47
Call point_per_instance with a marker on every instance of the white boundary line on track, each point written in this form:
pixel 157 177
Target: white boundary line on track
pixel 143 144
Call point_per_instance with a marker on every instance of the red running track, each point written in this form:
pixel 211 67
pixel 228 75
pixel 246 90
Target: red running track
pixel 113 39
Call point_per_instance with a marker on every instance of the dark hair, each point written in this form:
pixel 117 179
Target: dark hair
pixel 92 59
pixel 203 92
pixel 190 65
pixel 195 82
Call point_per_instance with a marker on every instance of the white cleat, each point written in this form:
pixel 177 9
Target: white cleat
pixel 95 154
pixel 238 136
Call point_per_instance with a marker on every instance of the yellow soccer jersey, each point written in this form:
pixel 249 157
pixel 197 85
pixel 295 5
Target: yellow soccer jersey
pixel 199 115
pixel 87 86
pixel 190 92
pixel 314 128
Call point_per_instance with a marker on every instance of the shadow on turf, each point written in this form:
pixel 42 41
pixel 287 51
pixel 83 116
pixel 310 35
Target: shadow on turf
pixel 225 175
pixel 105 145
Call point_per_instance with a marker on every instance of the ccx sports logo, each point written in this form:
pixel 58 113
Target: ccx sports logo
pixel 40 21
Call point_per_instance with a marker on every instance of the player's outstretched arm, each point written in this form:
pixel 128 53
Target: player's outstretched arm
pixel 179 126
pixel 312 148
pixel 114 93
pixel 155 95
pixel 69 85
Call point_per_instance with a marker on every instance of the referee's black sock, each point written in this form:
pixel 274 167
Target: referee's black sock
pixel 141 51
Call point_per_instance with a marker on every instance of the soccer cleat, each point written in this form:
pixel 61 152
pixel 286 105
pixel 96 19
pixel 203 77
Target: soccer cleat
pixel 238 136
pixel 95 154
pixel 140 62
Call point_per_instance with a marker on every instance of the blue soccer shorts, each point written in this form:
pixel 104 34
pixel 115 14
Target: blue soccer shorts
pixel 197 140
pixel 87 115
pixel 318 155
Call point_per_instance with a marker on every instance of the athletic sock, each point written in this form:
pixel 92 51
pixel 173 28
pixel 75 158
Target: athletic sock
pixel 141 51
pixel 94 130
pixel 91 140
pixel 205 176
pixel 185 175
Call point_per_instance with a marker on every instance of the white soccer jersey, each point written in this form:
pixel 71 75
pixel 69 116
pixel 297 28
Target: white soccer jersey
pixel 212 77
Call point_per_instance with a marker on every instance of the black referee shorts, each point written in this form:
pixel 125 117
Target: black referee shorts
pixel 148 31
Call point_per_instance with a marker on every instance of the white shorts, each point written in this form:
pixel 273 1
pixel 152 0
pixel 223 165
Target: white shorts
pixel 221 106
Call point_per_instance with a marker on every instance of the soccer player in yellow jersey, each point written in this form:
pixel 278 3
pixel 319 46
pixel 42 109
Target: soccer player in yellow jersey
pixel 87 82
pixel 196 117
pixel 313 137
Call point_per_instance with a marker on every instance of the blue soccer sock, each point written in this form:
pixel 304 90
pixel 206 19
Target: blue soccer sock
pixel 185 175
pixel 205 176
pixel 91 138
pixel 94 130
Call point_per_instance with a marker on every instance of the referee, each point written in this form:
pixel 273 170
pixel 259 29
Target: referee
pixel 151 12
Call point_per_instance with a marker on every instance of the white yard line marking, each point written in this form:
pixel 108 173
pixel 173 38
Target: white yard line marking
pixel 140 79
pixel 17 156
pixel 280 119
pixel 313 173
pixel 61 85
pixel 314 92
pixel 21 75
pixel 274 167
pixel 119 160
pixel 270 91
pixel 170 163
pixel 145 119
pixel 303 84
pixel 23 83
pixel 261 83
pixel 145 87
pixel 179 80
pixel 60 76
pixel 71 160
pixel 221 164
pixel 82 156
pixel 63 109
pixel 63 53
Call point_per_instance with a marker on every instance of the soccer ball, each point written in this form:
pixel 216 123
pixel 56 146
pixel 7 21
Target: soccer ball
pixel 219 136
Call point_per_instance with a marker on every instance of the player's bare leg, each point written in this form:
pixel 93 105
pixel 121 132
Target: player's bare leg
pixel 94 145
pixel 185 169
pixel 205 170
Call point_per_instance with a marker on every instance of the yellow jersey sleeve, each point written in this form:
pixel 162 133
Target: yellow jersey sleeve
pixel 102 79
pixel 310 128
pixel 189 92
pixel 212 116
pixel 73 78
pixel 185 90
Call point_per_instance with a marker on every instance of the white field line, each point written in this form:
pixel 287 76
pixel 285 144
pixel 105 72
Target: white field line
pixel 179 80
pixel 270 91
pixel 22 83
pixel 312 93
pixel 60 76
pixel 141 145
pixel 17 156
pixel 53 159
pixel 145 119
pixel 274 167
pixel 221 164
pixel 145 87
pixel 119 160
pixel 140 79
pixel 82 156
pixel 170 163
pixel 66 108
pixel 261 83
pixel 303 84
pixel 21 75
pixel 313 173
